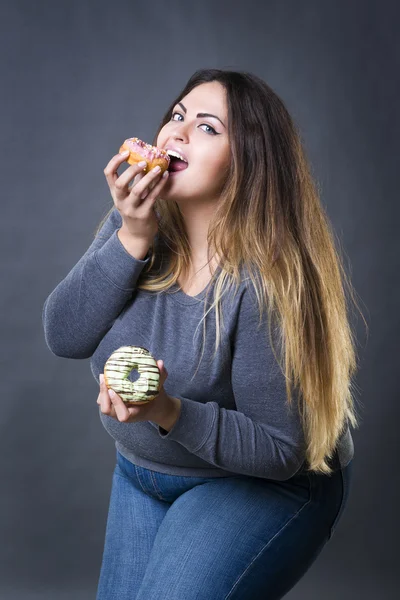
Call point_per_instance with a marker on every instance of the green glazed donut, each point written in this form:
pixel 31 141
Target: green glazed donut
pixel 118 367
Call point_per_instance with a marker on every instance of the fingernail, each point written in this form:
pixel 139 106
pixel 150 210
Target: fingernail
pixel 101 377
pixel 142 163
pixel 125 153
pixel 111 393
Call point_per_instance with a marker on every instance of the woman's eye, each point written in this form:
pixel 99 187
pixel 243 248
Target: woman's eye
pixel 202 125
pixel 175 113
pixel 209 127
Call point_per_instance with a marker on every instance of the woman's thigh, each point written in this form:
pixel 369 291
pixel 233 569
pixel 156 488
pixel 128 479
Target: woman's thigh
pixel 241 538
pixel 139 501
pixel 132 524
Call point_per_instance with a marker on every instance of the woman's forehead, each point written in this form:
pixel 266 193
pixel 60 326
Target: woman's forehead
pixel 208 97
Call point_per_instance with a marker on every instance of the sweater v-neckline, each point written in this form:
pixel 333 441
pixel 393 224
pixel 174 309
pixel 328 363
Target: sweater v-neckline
pixel 180 296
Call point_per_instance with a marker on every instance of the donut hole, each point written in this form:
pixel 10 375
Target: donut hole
pixel 134 375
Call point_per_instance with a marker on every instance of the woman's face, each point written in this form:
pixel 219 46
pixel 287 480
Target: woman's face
pixel 202 140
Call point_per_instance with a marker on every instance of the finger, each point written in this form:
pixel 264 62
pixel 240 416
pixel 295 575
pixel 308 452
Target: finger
pixel 126 177
pixel 136 180
pixel 163 371
pixel 101 379
pixel 121 410
pixel 110 170
pixel 143 186
pixel 105 401
pixel 148 189
pixel 155 192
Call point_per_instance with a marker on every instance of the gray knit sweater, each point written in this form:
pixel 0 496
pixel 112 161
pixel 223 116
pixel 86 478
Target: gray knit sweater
pixel 234 418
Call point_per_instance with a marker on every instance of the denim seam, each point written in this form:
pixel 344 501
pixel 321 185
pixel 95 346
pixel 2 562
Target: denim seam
pixel 122 474
pixel 157 490
pixel 271 540
pixel 139 479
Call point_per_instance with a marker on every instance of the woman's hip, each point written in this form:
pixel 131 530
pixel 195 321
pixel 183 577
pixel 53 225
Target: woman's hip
pixel 226 537
pixel 240 537
pixel 241 498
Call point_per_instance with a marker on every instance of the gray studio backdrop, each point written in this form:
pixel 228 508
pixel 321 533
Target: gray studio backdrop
pixel 77 78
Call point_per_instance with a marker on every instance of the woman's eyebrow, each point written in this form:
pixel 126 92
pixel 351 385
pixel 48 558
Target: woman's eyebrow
pixel 201 115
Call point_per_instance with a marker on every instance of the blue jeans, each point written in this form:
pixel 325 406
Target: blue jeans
pixel 196 538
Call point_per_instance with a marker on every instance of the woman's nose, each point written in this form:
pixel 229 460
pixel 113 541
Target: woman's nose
pixel 181 132
pixel 179 136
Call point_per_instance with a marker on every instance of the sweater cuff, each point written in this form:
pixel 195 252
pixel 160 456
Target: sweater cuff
pixel 120 267
pixel 193 426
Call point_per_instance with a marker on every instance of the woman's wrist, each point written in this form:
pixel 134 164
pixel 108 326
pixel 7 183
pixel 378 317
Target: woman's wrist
pixel 136 248
pixel 170 414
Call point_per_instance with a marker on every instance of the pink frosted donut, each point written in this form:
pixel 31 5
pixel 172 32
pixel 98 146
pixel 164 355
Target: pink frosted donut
pixel 139 151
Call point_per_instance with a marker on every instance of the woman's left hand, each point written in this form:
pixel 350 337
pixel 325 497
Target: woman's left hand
pixel 113 406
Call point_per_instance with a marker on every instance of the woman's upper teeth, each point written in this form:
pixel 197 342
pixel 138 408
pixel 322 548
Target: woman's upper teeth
pixel 176 155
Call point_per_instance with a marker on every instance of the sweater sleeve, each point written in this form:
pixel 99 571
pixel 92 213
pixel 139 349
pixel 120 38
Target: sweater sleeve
pixel 263 437
pixel 85 304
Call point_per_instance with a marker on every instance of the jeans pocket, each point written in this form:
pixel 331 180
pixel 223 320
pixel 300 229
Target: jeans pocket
pixel 346 476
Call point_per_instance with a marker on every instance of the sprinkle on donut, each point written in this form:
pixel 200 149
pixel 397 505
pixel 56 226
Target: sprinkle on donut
pixel 139 150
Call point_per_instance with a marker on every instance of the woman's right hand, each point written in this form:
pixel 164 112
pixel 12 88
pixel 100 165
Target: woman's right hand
pixel 135 203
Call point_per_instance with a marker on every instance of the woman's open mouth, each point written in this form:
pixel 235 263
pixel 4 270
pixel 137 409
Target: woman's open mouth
pixel 177 165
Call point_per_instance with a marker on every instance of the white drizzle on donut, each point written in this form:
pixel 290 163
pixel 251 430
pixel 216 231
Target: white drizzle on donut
pixel 120 364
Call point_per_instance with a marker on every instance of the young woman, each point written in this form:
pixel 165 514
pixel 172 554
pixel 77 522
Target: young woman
pixel 231 481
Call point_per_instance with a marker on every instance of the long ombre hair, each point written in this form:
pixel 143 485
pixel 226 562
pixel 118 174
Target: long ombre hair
pixel 271 225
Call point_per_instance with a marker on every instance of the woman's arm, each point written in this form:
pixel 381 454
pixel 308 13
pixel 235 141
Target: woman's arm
pixel 263 437
pixel 84 305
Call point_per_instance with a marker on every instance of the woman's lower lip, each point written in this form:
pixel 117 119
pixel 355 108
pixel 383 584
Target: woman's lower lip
pixel 178 171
